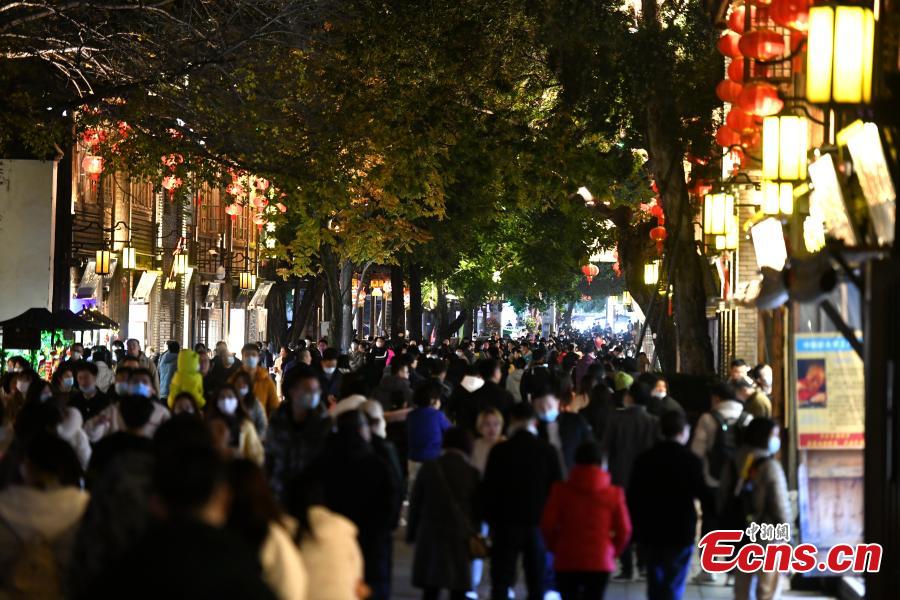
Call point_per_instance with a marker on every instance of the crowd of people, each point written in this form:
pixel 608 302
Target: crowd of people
pixel 201 473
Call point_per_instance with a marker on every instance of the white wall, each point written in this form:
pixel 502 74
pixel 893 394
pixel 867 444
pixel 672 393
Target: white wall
pixel 27 224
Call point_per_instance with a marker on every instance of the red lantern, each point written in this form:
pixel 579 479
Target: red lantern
pixel 259 220
pixel 171 183
pixel 261 184
pixel 728 91
pixel 233 210
pixel 727 137
pixel 92 166
pixel 729 44
pixel 761 3
pixel 590 271
pixel 93 137
pixel 741 121
pixel 235 189
pixel 793 14
pixel 736 18
pixel 172 160
pixel 761 99
pixel 736 70
pixel 281 207
pixel 659 235
pixel 750 140
pixel 762 44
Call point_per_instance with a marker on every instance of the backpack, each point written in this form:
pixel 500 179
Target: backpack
pixel 738 511
pixel 725 445
pixel 35 574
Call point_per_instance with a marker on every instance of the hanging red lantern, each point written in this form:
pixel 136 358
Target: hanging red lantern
pixel 281 207
pixel 736 18
pixel 590 271
pixel 741 121
pixel 233 210
pixel 728 91
pixel 793 14
pixel 93 137
pixel 750 140
pixel 736 70
pixel 171 183
pixel 762 44
pixel 172 160
pixel 659 235
pixel 729 44
pixel 760 3
pixel 259 202
pixel 92 166
pixel 259 220
pixel 235 189
pixel 727 137
pixel 760 98
pixel 261 184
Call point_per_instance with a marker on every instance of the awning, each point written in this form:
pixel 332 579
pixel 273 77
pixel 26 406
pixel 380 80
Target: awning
pixel 90 281
pixel 262 292
pixel 212 295
pixel 145 286
pixel 98 318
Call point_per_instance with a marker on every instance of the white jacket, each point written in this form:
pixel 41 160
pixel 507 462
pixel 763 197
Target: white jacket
pixel 70 430
pixel 109 420
pixel 282 567
pixel 334 562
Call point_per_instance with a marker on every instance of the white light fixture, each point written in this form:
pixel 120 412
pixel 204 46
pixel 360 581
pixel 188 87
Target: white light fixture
pixel 864 142
pixel 768 243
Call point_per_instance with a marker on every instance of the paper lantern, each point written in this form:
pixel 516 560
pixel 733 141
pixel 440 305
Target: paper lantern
pixel 729 44
pixel 785 145
pixel 590 271
pixel 727 137
pixel 128 258
pixel 760 98
pixel 777 198
pixel 839 55
pixel 233 210
pixel 651 273
pixel 736 18
pixel 728 91
pixel 793 14
pixel 102 262
pixel 736 70
pixel 180 265
pixel 716 210
pixel 246 280
pixel 92 166
pixel 741 121
pixel 762 44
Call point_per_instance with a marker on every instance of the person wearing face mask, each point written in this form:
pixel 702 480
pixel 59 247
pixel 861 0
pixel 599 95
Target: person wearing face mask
pixel 297 429
pixel 133 349
pixel 63 380
pixel 262 386
pixel 660 400
pixel 110 419
pixel 121 387
pixel 222 368
pixel 88 398
pixel 238 439
pixel 76 355
pixel 250 404
pixel 754 489
pixel 329 377
pixel 666 531
pixel 565 431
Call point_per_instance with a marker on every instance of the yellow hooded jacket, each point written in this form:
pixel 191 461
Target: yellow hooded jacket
pixel 187 378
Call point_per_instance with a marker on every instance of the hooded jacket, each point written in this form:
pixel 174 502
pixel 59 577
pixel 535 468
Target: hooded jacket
pixel 187 378
pixel 586 523
pixel 705 434
pixel 263 389
pixel 168 363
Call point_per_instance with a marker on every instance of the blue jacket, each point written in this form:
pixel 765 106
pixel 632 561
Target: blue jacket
pixel 168 364
pixel 425 429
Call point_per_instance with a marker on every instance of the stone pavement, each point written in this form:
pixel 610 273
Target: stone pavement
pixel 635 590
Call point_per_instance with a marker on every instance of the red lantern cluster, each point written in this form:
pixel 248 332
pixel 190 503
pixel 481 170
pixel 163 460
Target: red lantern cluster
pixel 793 14
pixel 728 91
pixel 761 99
pixel 729 44
pixel 590 271
pixel 762 44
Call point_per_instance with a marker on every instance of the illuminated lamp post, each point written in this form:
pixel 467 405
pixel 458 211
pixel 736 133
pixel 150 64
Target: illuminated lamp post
pixel 839 54
pixel 785 143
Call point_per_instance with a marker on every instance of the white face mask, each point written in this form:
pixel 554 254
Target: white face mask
pixel 122 388
pixel 243 391
pixel 251 362
pixel 142 389
pixel 66 383
pixel 229 360
pixel 76 356
pixel 228 405
pixel 46 395
pixel 329 370
pixel 87 389
pixel 658 394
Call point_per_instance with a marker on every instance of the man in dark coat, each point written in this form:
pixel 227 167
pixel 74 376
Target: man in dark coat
pixel 665 530
pixel 443 514
pixel 631 432
pixel 394 391
pixel 537 376
pixel 297 430
pixel 517 481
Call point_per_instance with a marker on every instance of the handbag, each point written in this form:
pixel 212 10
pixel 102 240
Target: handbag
pixel 479 545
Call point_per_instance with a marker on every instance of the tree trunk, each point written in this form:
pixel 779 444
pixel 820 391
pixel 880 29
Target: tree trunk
pixel 338 277
pixel 398 311
pixel 305 302
pixel 567 315
pixel 276 311
pixel 468 324
pixel 415 302
pixel 346 299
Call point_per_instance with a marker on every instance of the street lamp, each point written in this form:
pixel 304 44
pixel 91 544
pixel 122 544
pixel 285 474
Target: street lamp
pixel 716 210
pixel 785 141
pixel 839 54
pixel 651 273
pixel 128 258
pixel 246 280
pixel 181 264
pixel 777 197
pixel 768 243
pixel 102 262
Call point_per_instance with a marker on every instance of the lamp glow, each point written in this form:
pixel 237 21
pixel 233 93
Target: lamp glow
pixel 785 142
pixel 181 264
pixel 768 243
pixel 651 273
pixel 128 258
pixel 777 198
pixel 844 76
pixel 102 262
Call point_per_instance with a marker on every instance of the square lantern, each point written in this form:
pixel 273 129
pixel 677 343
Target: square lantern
pixel 777 198
pixel 180 266
pixel 732 233
pixel 785 142
pixel 716 211
pixel 102 262
pixel 246 281
pixel 128 258
pixel 651 273
pixel 769 245
pixel 839 54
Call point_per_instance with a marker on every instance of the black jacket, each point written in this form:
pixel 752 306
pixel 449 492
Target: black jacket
pixel 464 406
pixel 536 378
pixel 665 482
pixel 517 480
pixel 574 430
pixel 631 432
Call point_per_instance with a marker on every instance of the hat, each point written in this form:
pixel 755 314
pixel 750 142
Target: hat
pixel 622 381
pixel 742 383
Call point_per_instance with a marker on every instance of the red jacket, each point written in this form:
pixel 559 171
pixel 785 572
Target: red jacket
pixel 585 522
